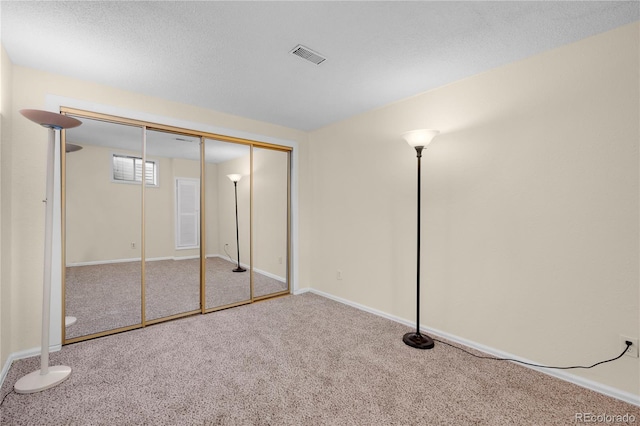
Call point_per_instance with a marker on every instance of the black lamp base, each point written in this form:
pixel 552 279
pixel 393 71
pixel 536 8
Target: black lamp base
pixel 417 340
pixel 239 269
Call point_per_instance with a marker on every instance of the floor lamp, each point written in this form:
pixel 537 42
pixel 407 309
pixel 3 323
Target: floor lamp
pixel 235 178
pixel 419 139
pixel 46 377
pixel 69 147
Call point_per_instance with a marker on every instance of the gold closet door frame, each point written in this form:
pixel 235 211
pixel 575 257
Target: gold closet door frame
pixel 144 126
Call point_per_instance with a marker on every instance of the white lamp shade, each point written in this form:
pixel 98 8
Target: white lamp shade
pixel 234 177
pixel 421 137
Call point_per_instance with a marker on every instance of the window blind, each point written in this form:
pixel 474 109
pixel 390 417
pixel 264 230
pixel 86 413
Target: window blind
pixel 129 169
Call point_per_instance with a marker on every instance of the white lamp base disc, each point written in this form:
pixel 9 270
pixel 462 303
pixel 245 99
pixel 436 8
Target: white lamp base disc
pixel 36 382
pixel 69 321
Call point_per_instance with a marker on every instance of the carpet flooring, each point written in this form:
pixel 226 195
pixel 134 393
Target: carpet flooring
pixel 106 297
pixel 293 360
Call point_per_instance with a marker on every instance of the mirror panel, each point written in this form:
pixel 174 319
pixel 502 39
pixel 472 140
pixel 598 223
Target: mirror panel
pixel 103 229
pixel 227 245
pixel 172 225
pixel 270 221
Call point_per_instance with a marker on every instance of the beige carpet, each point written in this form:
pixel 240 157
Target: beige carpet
pixel 294 360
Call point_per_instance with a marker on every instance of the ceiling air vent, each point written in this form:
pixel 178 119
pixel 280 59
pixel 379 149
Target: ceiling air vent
pixel 308 54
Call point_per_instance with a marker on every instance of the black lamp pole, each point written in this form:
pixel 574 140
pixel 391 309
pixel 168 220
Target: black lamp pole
pixel 238 268
pixel 417 339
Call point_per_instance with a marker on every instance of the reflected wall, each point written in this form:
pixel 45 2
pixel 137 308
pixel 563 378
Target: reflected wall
pixel 172 225
pixel 270 221
pixel 228 242
pixel 103 230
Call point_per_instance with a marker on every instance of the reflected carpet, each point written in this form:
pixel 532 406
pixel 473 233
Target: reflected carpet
pixel 107 296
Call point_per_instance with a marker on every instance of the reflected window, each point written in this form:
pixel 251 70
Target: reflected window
pixel 128 169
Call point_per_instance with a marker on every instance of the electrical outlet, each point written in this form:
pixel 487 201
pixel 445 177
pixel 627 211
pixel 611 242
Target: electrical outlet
pixel 280 260
pixel 339 274
pixel 133 245
pixel 633 349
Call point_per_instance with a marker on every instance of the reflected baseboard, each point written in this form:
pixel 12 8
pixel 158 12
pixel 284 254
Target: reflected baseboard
pixel 257 270
pixel 153 259
pixel 133 259
pixel 270 275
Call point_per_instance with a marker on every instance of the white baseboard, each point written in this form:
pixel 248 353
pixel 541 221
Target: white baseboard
pixel 582 382
pixel 28 353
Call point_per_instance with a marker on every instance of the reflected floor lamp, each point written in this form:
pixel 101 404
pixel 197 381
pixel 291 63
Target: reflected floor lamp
pixel 46 377
pixel 69 320
pixel 419 139
pixel 235 178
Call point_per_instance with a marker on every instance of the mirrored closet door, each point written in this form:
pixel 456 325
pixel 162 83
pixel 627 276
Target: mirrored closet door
pixel 162 222
pixel 102 227
pixel 270 222
pixel 227 179
pixel 172 225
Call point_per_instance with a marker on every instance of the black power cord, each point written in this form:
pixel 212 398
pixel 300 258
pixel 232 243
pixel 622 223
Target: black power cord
pixel 228 255
pixel 628 343
pixel 5 397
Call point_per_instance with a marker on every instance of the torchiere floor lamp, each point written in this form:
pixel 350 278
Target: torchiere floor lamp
pixel 235 178
pixel 419 139
pixel 46 377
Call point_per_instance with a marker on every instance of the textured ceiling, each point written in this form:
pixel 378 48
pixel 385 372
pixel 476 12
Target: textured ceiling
pixel 234 56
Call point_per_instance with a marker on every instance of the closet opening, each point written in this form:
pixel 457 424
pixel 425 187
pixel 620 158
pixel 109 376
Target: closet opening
pixel 160 222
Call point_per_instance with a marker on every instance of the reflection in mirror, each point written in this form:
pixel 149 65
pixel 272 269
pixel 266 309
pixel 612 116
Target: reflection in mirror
pixel 270 221
pixel 103 227
pixel 227 232
pixel 172 225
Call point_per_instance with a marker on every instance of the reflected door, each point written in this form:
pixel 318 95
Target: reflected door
pixel 172 225
pixel 103 227
pixel 228 250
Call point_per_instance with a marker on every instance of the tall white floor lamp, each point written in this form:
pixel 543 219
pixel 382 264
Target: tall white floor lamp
pixel 46 377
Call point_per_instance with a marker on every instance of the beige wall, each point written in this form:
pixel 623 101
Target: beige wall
pixel 6 113
pixel 530 207
pixel 30 89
